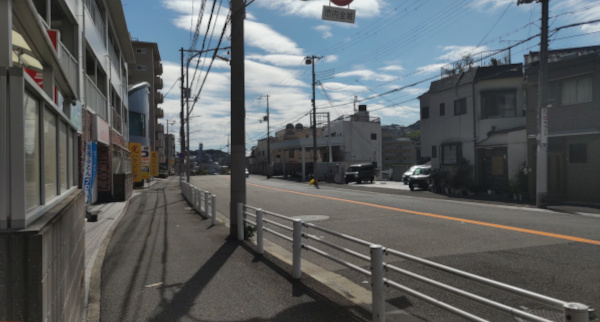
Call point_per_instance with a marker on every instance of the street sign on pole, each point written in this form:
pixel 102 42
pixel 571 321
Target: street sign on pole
pixel 338 14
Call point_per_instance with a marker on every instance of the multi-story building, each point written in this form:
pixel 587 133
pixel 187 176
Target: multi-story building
pixel 573 123
pixel 63 109
pixel 148 68
pixel 398 153
pixel 477 115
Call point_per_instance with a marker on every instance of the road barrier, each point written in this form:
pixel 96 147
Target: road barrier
pixel 294 230
pixel 196 197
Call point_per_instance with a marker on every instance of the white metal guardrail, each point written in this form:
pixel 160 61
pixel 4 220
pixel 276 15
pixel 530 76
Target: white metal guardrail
pixel 197 198
pixel 279 226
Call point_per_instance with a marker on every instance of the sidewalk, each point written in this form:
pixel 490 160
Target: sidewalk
pixel 164 262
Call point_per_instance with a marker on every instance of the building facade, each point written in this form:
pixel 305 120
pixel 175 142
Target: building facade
pixel 573 126
pixel 63 108
pixel 477 115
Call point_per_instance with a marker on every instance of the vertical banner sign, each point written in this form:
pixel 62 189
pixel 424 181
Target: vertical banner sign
pixel 154 163
pixel 145 162
pixel 136 162
pixel 89 170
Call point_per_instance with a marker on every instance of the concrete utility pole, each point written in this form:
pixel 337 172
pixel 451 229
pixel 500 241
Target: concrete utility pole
pixel 541 173
pixel 169 147
pixel 238 114
pixel 311 60
pixel 268 141
pixel 184 93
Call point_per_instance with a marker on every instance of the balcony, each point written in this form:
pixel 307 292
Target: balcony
pixel 159 98
pixel 159 113
pixel 95 100
pixel 159 128
pixel 158 67
pixel 158 82
pixel 69 65
pixel 117 122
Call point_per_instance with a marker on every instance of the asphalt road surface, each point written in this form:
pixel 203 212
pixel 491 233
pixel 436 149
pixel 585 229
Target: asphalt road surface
pixel 555 254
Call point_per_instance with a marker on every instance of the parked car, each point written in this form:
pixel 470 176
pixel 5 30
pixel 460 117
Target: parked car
pixel 360 172
pixel 408 173
pixel 420 178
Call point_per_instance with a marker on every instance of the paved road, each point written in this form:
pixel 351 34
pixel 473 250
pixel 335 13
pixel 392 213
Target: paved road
pixel 553 253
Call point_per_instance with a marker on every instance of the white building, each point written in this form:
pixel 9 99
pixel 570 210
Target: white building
pixel 477 115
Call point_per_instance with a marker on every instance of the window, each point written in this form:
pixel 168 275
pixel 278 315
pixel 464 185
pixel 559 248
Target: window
pixel 137 124
pixel 291 153
pixel 495 104
pixel 460 106
pixel 451 153
pixel 50 166
pixel 62 145
pixel 141 67
pixel 433 151
pixel 578 153
pixel 442 109
pixel 373 136
pixel 576 90
pixel 32 153
pixel 142 51
pixel 424 112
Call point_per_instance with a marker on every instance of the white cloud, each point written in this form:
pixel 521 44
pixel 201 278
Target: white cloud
pixel 366 74
pixel 264 37
pixel 325 31
pixel 432 68
pixel 392 68
pixel 278 60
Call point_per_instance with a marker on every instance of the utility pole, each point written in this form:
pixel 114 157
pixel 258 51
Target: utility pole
pixel 268 140
pixel 184 92
pixel 187 92
pixel 541 173
pixel 238 114
pixel 311 60
pixel 169 147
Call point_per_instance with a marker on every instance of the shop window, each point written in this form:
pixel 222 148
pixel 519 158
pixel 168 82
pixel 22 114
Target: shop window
pixel 50 166
pixel 497 104
pixel 578 153
pixel 460 106
pixel 32 153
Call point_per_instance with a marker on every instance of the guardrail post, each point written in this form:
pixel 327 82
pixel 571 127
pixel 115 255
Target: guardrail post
pixel 576 312
pixel 259 232
pixel 194 197
pixel 198 199
pixel 213 205
pixel 240 221
pixel 377 280
pixel 297 248
pixel 206 198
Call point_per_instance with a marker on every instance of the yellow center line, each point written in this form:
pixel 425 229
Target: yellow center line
pixel 474 222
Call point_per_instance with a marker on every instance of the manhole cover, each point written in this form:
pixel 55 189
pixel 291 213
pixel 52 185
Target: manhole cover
pixel 311 217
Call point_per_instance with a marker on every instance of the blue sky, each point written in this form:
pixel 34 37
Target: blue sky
pixel 392 45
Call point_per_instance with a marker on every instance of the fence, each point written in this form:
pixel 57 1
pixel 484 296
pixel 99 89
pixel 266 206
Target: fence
pixel 197 198
pixel 279 226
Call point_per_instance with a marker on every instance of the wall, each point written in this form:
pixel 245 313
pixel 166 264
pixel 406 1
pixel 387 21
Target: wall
pixel 42 267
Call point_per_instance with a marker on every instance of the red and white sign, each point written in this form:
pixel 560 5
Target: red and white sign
pixel 341 2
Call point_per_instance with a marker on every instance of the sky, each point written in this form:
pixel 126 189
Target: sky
pixel 385 60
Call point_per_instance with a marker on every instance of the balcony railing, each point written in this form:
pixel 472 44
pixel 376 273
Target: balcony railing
pixel 158 82
pixel 69 64
pixel 159 113
pixel 97 18
pixel 158 67
pixel 95 100
pixel 159 98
